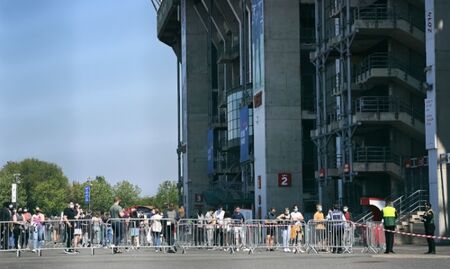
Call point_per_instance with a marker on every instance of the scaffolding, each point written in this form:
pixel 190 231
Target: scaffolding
pixel 334 37
pixel 368 62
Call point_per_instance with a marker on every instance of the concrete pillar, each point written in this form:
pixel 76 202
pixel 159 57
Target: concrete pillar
pixel 195 88
pixel 437 109
pixel 277 131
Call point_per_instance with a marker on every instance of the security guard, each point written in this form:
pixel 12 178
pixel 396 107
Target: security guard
pixel 337 219
pixel 389 217
pixel 428 221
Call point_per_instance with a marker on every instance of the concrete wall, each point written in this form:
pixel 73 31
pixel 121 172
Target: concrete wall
pixel 442 87
pixel 195 88
pixel 438 58
pixel 283 101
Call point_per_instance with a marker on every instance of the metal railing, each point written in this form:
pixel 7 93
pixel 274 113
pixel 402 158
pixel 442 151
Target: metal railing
pixel 405 205
pixel 378 104
pixel 384 60
pixel 376 154
pixel 381 12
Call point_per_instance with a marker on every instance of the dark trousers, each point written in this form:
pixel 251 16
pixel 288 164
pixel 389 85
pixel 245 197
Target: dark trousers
pixel 429 230
pixel 117 228
pixel 337 239
pixel 389 238
pixel 4 235
pixel 69 236
pixel 24 238
pixel 218 235
pixel 16 233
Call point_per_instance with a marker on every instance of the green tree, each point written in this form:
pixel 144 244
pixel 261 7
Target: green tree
pixel 146 201
pixel 102 194
pixel 42 184
pixel 6 179
pixel 128 192
pixel 167 194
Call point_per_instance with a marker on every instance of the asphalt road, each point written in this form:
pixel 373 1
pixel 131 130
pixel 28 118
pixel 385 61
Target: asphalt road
pixel 409 257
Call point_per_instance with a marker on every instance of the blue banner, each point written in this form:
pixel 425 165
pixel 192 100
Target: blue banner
pixel 210 151
pixel 87 194
pixel 244 131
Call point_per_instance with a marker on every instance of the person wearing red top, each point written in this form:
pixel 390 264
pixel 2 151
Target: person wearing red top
pixel 347 214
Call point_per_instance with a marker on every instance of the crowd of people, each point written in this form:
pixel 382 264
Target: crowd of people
pixel 75 228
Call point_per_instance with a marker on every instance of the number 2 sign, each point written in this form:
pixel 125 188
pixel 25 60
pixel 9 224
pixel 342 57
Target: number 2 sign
pixel 284 180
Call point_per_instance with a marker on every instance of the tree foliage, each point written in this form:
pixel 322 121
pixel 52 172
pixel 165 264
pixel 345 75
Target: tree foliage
pixel 41 184
pixel 101 197
pixel 44 185
pixel 128 192
pixel 167 194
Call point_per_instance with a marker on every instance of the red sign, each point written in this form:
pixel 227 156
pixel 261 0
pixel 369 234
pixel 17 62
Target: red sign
pixel 198 198
pixel 407 163
pixel 322 173
pixel 259 182
pixel 257 99
pixel 284 180
pixel 346 168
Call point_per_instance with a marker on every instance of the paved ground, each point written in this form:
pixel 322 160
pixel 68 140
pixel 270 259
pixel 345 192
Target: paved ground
pixel 406 257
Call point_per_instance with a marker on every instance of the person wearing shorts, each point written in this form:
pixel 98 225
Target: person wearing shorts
pixel 270 228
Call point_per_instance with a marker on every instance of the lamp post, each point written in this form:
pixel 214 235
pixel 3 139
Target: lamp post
pixel 14 188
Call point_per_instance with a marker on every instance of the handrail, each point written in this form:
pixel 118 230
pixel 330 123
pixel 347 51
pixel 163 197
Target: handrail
pixel 377 104
pixel 385 60
pixel 405 205
pixel 373 154
pixel 379 12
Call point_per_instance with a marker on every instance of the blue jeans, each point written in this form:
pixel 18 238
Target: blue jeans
pixel 38 236
pixel 156 239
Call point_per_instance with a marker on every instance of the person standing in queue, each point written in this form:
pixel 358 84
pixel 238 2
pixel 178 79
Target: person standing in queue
pixel 428 221
pixel 68 218
pixel 389 218
pixel 116 212
pixel 337 219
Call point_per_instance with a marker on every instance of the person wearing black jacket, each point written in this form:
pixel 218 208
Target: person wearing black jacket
pixel 428 221
pixel 5 215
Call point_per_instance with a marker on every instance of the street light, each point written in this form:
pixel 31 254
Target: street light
pixel 14 188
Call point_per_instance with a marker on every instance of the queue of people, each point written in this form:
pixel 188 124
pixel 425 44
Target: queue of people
pixel 24 230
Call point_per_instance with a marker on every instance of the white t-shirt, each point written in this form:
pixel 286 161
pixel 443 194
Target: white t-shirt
pixel 297 216
pixel 219 215
pixel 156 223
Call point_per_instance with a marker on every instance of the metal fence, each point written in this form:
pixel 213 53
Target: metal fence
pixel 271 235
pixel 330 236
pixel 168 235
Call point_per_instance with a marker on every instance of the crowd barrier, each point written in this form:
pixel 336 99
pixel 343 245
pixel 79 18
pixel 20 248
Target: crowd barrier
pixel 227 234
pixel 271 235
pixel 169 235
pixel 373 237
pixel 330 236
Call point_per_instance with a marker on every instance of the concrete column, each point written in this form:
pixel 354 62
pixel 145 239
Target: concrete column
pixel 437 109
pixel 278 124
pixel 195 88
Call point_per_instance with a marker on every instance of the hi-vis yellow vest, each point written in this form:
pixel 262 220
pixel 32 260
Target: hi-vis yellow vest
pixel 389 216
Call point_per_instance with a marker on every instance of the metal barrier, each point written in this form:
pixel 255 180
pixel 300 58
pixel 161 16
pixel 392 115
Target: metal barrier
pixel 275 234
pixel 374 240
pixel 47 235
pixel 334 236
pixel 155 233
pixel 227 234
pixel 166 235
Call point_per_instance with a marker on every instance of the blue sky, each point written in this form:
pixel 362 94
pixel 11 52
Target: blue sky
pixel 87 85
